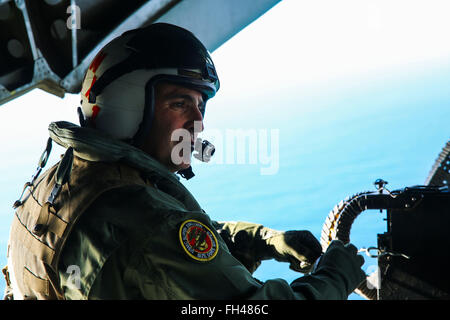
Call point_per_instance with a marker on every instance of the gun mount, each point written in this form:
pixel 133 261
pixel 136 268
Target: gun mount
pixel 413 254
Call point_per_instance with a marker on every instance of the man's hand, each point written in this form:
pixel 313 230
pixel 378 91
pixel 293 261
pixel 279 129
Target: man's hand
pixel 250 243
pixel 300 248
pixel 343 260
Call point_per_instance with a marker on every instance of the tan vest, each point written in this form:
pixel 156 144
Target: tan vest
pixel 39 230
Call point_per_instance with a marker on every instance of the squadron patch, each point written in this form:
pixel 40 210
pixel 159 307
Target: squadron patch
pixel 198 240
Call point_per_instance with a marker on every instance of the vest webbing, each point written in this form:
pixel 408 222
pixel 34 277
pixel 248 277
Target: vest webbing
pixel 39 230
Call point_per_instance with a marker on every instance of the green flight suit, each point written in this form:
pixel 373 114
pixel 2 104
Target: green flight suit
pixel 129 246
pixel 151 240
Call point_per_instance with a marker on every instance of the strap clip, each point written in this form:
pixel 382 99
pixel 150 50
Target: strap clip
pixel 62 174
pixel 41 164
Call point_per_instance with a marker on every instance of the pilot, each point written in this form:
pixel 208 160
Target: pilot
pixel 112 220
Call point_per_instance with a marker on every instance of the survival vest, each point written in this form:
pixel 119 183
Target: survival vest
pixel 45 218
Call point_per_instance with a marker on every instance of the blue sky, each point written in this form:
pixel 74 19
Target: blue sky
pixel 349 92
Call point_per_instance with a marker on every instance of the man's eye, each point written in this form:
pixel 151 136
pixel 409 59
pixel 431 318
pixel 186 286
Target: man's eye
pixel 178 104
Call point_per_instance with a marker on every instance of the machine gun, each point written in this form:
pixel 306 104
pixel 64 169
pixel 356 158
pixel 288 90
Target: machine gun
pixel 414 254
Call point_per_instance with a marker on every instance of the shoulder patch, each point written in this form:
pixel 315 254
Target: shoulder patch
pixel 198 241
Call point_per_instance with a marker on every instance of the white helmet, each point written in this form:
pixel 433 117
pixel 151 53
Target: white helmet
pixel 117 94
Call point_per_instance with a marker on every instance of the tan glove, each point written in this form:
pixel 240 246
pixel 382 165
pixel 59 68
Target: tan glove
pixel 344 262
pixel 250 243
pixel 300 248
pixel 337 274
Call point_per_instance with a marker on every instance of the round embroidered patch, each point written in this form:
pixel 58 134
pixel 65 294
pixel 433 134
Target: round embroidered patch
pixel 198 240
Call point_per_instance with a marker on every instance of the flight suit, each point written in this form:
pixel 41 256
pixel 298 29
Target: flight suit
pixel 141 235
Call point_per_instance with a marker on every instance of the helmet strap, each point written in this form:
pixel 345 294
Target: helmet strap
pixel 147 118
pixel 81 117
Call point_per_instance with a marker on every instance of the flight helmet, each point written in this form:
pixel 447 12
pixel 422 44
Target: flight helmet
pixel 117 94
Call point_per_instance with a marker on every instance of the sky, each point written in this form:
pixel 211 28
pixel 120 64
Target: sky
pixel 318 99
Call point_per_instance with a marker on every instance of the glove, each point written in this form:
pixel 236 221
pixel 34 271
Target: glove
pixel 250 243
pixel 243 246
pixel 300 248
pixel 345 262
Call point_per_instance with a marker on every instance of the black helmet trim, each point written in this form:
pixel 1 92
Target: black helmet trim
pixel 208 79
pixel 147 118
pixel 207 89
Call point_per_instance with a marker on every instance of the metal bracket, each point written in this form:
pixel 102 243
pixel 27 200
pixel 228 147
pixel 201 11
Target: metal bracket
pixel 382 252
pixel 43 77
pixel 21 5
pixel 42 70
pixel 72 81
pixel 4 93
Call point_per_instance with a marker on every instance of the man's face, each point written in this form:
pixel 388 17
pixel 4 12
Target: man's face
pixel 176 107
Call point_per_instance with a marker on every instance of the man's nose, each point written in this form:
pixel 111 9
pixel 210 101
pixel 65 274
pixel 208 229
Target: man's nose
pixel 198 120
